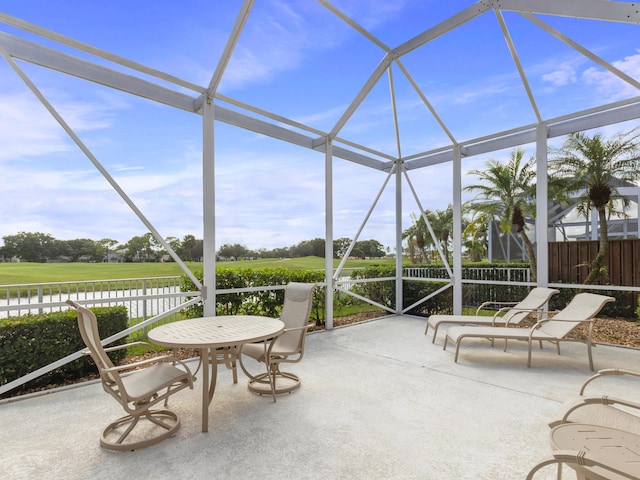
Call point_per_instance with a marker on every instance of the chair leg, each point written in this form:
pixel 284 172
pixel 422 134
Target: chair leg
pixel 274 382
pixel 165 419
pixel 435 333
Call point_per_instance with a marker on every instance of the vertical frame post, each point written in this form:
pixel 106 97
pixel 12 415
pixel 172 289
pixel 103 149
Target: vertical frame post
pixel 457 230
pixel 542 207
pixel 209 209
pixel 328 252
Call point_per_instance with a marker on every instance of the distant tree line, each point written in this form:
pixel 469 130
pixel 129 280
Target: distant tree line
pixel 306 248
pixel 43 247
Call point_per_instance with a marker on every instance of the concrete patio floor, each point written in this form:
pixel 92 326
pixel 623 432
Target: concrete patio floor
pixel 378 401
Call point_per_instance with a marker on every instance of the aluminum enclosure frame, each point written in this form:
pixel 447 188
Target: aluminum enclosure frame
pixel 215 107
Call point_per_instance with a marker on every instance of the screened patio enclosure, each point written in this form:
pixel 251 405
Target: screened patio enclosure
pixel 391 115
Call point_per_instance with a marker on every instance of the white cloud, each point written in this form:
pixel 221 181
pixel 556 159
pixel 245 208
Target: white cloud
pixel 25 133
pixel 610 86
pixel 27 129
pixel 565 74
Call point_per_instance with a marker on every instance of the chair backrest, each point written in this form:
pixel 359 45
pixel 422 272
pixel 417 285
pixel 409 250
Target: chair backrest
pixel 88 326
pixel 298 299
pixel 584 306
pixel 536 299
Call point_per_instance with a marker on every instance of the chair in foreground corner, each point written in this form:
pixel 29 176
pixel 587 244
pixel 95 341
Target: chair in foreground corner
pixel 288 347
pixel 582 308
pixel 137 392
pixel 509 313
pixel 602 403
pixel 580 460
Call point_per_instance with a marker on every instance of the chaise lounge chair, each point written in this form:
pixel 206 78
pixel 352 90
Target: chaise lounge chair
pixel 582 308
pixel 509 313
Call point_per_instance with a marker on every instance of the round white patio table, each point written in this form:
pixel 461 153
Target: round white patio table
pixel 208 334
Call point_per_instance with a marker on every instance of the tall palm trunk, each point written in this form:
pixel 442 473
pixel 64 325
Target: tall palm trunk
pixel 597 269
pixel 421 244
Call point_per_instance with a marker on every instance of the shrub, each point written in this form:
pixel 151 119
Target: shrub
pixel 30 342
pixel 265 302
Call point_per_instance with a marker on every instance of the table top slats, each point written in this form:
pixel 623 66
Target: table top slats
pixel 215 332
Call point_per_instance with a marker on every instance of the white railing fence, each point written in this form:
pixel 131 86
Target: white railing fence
pixel 143 297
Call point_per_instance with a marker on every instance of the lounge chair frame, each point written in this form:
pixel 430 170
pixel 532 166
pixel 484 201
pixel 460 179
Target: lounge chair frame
pixel 508 313
pixel 582 308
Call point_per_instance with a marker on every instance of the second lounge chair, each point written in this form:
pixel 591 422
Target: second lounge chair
pixel 582 308
pixel 509 313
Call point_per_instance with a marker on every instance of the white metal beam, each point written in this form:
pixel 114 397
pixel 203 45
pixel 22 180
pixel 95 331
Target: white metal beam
pixel 457 231
pixel 83 47
pixel 328 219
pixel 208 209
pixel 396 127
pixel 49 58
pixel 61 62
pixel 443 27
pixel 94 160
pixel 542 207
pixel 232 40
pixel 362 94
pixel 626 12
pixel 587 53
pixel 423 97
pixel 516 60
pixel 366 33
pixel 588 119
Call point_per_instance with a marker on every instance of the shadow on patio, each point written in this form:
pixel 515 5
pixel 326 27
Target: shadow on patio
pixel 378 401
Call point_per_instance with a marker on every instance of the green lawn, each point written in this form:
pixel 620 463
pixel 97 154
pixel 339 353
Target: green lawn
pixel 23 273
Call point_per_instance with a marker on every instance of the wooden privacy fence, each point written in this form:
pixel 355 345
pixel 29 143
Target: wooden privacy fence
pixel 569 263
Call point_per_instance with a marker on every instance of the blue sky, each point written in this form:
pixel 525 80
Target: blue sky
pixel 295 59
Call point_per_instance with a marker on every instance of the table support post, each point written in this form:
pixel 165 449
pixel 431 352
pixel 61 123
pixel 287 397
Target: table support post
pixel 209 377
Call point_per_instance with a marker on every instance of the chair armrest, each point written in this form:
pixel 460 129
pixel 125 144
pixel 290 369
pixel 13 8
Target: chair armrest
pixel 304 327
pixel 132 344
pixel 530 310
pixel 577 458
pixel 586 401
pixel 148 361
pixel 607 372
pixel 539 323
pixel 486 304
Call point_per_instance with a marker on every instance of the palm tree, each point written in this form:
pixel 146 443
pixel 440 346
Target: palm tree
pixel 508 192
pixel 442 224
pixel 475 235
pixel 598 165
pixel 415 236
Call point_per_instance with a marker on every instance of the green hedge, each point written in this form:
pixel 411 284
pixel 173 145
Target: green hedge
pixel 266 302
pixel 30 342
pixel 472 294
pixel 384 292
